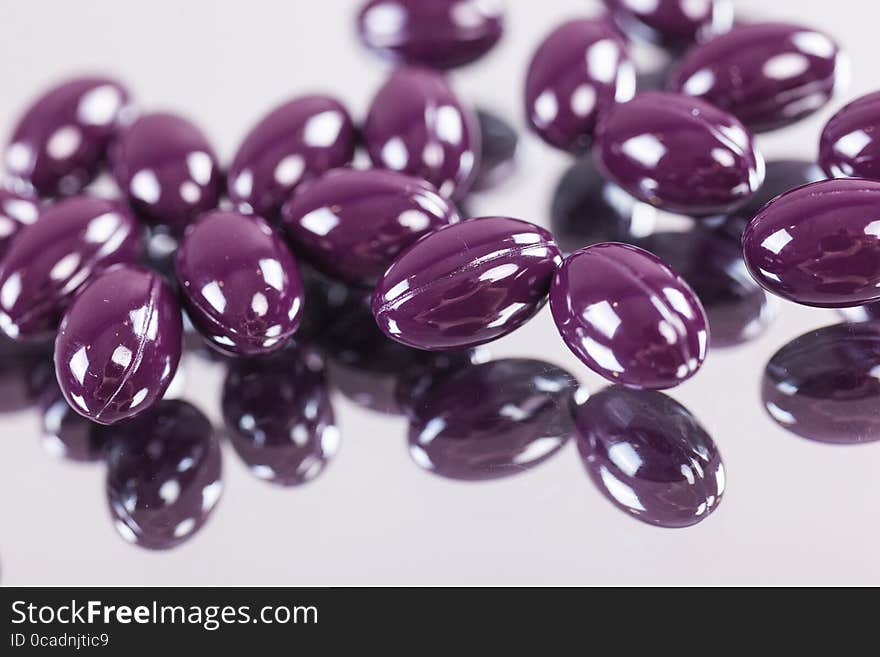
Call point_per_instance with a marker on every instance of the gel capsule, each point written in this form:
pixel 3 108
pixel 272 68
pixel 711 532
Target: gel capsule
pixel 466 284
pixel 673 23
pixel 819 245
pixel 119 344
pixel 850 143
pixel 629 317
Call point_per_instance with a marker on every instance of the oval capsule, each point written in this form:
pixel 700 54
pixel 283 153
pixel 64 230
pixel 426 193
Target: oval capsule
pixel 819 245
pixel 850 142
pixel 466 284
pixel 679 153
pixel 167 169
pixel 579 71
pixel 628 316
pixel 296 141
pixel 672 23
pixel 768 75
pixel 59 144
pixel 239 282
pixel 16 212
pixel 119 344
pixel 51 259
pixel 352 224
pixel 417 125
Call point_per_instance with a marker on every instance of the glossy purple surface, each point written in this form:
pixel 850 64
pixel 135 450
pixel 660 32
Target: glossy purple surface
pixel 767 74
pixel 642 326
pixel 240 283
pixel 673 23
pixel 466 284
pixel 167 169
pixel 51 259
pixel 499 143
pixel 492 420
pixel 59 144
pixel 819 245
pixel 578 72
pixel 163 475
pixel 352 224
pixel 440 34
pixel 679 154
pixel 850 143
pixel 417 125
pixel 279 416
pixel 16 212
pixel 296 141
pixel 823 385
pixel 650 456
pixel 119 344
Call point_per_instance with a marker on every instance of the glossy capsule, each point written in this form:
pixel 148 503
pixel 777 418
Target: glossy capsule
pixel 52 258
pixel 240 283
pixel 819 245
pixel 766 74
pixel 167 169
pixel 850 143
pixel 650 456
pixel 679 154
pixel 417 125
pixel 163 475
pixel 441 34
pixel 629 317
pixel 672 23
pixel 294 142
pixel 59 144
pixel 466 284
pixel 352 224
pixel 577 73
pixel 16 212
pixel 119 344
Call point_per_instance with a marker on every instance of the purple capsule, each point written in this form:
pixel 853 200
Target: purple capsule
pixel 351 224
pixel 493 420
pixel 297 141
pixel 850 143
pixel 16 212
pixel 819 245
pixel 240 283
pixel 672 23
pixel 650 456
pixel 679 154
pixel 417 125
pixel 59 145
pixel 441 34
pixel 578 72
pixel 167 169
pixel 51 259
pixel 499 144
pixel 163 475
pixel 768 75
pixel 466 284
pixel 642 326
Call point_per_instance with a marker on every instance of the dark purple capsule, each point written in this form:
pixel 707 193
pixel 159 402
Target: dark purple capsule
pixel 650 456
pixel 641 325
pixel 69 435
pixel 16 212
pixel 26 373
pixel 823 385
pixel 578 72
pixel 60 143
pixel 163 475
pixel 279 417
pixel 417 125
pixel 441 34
pixel 675 24
pixel 51 259
pixel 466 284
pixel 493 420
pixel 351 224
pixel 167 169
pixel 679 154
pixel 240 283
pixel 850 143
pixel 768 75
pixel 296 141
pixel 119 344
pixel 499 145
pixel 819 245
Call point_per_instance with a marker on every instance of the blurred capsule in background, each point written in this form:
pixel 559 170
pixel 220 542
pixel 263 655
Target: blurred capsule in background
pixel 163 475
pixel 16 212
pixel 824 384
pixel 26 373
pixel 499 146
pixel 492 420
pixel 850 142
pixel 650 456
pixel 675 24
pixel 68 434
